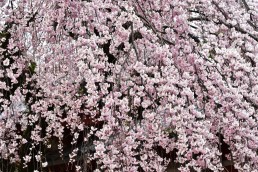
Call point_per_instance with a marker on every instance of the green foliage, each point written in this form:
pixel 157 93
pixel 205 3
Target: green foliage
pixel 32 67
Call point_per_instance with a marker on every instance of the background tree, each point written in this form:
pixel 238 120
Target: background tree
pixel 137 80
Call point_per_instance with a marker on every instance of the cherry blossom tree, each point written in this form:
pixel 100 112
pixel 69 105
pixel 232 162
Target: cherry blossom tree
pixel 136 81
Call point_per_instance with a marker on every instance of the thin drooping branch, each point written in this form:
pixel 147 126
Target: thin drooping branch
pixel 133 42
pixel 239 29
pixel 221 10
pixel 145 79
pixel 230 26
pixel 146 21
pixel 245 5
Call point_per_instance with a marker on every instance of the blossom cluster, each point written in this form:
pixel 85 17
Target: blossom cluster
pixel 138 80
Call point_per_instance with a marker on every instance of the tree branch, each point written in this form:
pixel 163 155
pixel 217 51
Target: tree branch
pixel 134 45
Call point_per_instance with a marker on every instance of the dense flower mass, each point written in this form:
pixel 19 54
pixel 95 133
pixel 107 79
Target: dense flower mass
pixel 129 83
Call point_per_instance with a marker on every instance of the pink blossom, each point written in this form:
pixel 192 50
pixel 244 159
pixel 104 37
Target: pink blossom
pixel 129 80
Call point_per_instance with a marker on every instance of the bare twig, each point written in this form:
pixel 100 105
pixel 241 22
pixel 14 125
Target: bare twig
pixel 201 18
